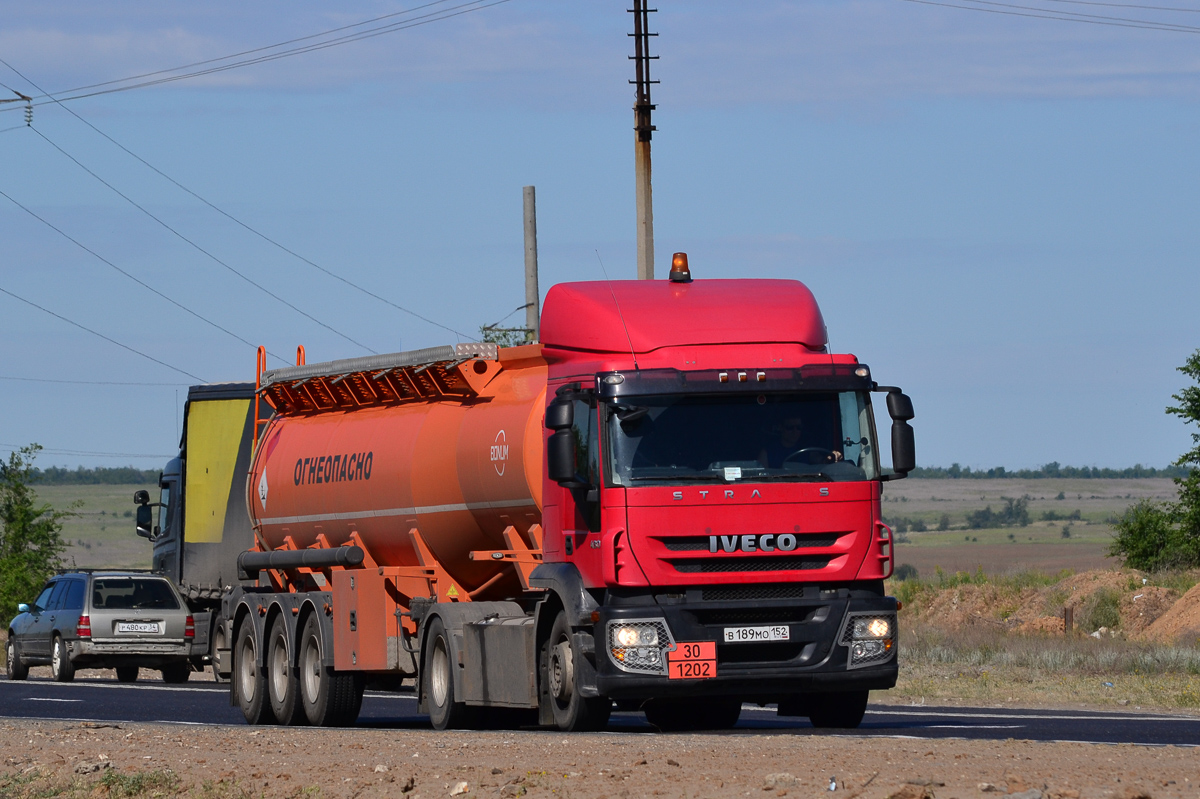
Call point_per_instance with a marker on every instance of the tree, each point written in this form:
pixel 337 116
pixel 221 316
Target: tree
pixel 1154 536
pixel 31 543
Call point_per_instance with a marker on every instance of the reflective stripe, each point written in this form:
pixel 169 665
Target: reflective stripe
pixel 367 514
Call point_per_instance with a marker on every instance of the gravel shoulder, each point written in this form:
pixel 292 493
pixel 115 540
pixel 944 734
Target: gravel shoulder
pixel 42 758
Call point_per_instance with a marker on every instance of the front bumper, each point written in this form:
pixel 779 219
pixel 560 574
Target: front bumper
pixel 815 658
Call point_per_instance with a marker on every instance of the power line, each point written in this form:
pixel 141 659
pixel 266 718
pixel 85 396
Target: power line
pixel 101 335
pixel 454 11
pixel 85 382
pixel 51 451
pixel 237 221
pixel 1127 5
pixel 144 285
pixel 1084 17
pixel 1059 15
pixel 197 247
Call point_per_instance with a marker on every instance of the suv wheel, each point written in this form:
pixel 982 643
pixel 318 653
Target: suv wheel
pixel 61 667
pixel 14 669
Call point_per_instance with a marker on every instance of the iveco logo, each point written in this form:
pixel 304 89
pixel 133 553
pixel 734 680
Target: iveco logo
pixel 767 542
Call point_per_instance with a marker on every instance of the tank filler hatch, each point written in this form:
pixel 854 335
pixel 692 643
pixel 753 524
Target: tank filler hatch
pixel 433 373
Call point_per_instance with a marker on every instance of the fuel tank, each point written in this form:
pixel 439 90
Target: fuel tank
pixel 459 458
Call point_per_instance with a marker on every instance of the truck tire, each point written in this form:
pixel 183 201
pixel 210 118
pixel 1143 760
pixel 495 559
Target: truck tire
pixel 14 667
pixel 220 641
pixel 437 672
pixel 61 667
pixel 176 673
pixel 677 715
pixel 251 682
pixel 843 710
pixel 127 673
pixel 283 682
pixel 572 712
pixel 328 698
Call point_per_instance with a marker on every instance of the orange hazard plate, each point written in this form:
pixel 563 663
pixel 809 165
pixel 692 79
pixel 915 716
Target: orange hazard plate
pixel 693 661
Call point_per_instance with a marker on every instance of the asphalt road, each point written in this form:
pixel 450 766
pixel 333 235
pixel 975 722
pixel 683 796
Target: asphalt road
pixel 208 703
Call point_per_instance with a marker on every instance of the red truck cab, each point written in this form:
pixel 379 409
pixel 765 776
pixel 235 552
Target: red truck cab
pixel 713 483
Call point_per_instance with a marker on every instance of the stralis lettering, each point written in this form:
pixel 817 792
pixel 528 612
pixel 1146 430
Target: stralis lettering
pixel 767 542
pixel 333 468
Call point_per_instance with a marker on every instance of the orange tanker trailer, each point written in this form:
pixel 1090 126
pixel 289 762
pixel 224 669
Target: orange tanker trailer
pixel 674 496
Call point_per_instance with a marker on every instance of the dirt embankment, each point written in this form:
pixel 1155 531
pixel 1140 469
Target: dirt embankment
pixel 43 759
pixel 1120 601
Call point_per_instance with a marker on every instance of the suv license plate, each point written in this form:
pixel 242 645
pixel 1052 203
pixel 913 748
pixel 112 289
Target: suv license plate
pixel 137 627
pixel 748 635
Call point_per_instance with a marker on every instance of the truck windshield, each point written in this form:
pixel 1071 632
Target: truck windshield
pixel 802 437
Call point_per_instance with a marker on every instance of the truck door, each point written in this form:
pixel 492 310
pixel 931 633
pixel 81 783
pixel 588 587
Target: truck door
pixel 166 545
pixel 581 506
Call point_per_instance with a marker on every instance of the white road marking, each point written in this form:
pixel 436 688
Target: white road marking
pixel 47 699
pixel 1028 716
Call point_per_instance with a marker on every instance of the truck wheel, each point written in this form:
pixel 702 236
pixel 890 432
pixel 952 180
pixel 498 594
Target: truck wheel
pixel 572 712
pixel 283 682
pixel 176 673
pixel 438 673
pixel 61 667
pixel 127 673
pixel 842 710
pixel 14 668
pixel 220 641
pixel 251 682
pixel 676 715
pixel 328 698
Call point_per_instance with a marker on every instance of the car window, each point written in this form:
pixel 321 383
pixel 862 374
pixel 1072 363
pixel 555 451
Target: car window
pixel 74 601
pixel 43 599
pixel 125 593
pixel 56 598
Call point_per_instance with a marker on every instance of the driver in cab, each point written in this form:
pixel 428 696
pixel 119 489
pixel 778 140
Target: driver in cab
pixel 787 447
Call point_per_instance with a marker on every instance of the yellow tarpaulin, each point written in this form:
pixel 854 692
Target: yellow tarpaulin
pixel 214 433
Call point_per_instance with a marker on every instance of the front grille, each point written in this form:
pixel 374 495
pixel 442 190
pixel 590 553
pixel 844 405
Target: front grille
pixel 742 592
pixel 755 615
pixel 697 543
pixel 776 652
pixel 746 564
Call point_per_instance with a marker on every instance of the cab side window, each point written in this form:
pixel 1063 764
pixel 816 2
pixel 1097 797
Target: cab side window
pixel 74 601
pixel 56 598
pixel 43 600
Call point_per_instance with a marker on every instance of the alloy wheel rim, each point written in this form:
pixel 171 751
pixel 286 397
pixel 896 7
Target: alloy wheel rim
pixel 312 666
pixel 438 679
pixel 246 670
pixel 279 668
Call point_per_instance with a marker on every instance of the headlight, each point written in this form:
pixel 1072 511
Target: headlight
pixel 639 645
pixel 640 635
pixel 867 627
pixel 870 637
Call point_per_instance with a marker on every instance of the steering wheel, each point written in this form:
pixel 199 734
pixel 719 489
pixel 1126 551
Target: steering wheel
pixel 811 456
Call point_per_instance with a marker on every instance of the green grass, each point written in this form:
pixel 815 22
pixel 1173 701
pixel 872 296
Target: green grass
pixel 101 534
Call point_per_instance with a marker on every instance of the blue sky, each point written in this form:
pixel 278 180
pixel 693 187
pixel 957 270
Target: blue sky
pixel 996 212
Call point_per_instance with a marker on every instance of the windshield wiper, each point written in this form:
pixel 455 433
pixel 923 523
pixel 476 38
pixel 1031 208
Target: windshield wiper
pixel 688 478
pixel 805 477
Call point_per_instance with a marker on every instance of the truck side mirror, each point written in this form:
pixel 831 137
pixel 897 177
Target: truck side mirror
pixel 899 406
pixel 560 457
pixel 145 521
pixel 560 415
pixel 904 448
pixel 141 497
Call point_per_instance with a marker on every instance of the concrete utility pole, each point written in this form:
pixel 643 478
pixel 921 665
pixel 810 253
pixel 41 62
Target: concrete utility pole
pixel 641 116
pixel 532 298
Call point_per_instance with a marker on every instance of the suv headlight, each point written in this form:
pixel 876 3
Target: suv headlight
pixel 639 645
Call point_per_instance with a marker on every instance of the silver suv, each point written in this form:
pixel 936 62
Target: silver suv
pixel 103 620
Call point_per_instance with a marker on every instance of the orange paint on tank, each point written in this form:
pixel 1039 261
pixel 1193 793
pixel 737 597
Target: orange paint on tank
pixel 460 471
